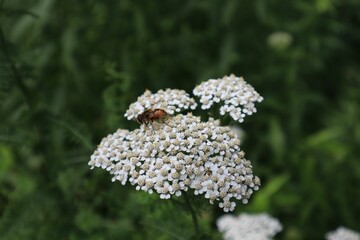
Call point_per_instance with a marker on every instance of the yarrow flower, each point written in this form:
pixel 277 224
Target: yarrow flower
pixel 342 233
pixel 182 154
pixel 235 96
pixel 170 100
pixel 248 226
pixel 280 40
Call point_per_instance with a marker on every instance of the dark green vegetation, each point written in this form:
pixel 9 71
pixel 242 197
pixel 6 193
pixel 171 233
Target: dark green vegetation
pixel 69 69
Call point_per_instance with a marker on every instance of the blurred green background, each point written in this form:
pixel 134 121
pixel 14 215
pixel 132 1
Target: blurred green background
pixel 69 69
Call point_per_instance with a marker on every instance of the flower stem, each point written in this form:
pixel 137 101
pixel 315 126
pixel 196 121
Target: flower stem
pixel 193 215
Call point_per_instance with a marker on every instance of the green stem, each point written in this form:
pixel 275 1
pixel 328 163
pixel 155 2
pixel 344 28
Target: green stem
pixel 193 215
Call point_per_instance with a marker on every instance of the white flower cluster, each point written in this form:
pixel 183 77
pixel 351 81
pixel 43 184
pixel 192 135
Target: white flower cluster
pixel 170 100
pixel 280 40
pixel 235 95
pixel 248 226
pixel 181 154
pixel 342 233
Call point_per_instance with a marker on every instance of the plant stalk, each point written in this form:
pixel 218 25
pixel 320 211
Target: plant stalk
pixel 193 215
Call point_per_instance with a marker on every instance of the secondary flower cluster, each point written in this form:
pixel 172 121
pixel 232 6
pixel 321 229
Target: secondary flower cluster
pixel 280 40
pixel 342 233
pixel 235 95
pixel 170 100
pixel 248 226
pixel 182 154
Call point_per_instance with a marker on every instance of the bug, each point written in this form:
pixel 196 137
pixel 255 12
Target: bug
pixel 150 115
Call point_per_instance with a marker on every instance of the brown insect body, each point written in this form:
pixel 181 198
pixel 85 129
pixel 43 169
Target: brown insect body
pixel 150 115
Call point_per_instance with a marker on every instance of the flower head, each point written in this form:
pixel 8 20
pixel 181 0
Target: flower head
pixel 170 100
pixel 181 154
pixel 248 226
pixel 280 40
pixel 235 96
pixel 342 233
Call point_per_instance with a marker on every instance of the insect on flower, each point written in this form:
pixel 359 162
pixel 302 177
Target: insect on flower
pixel 150 115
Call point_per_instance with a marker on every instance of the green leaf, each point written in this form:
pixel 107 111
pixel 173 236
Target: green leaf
pixel 262 199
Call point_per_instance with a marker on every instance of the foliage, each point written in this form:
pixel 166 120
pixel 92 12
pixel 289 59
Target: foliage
pixel 69 69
